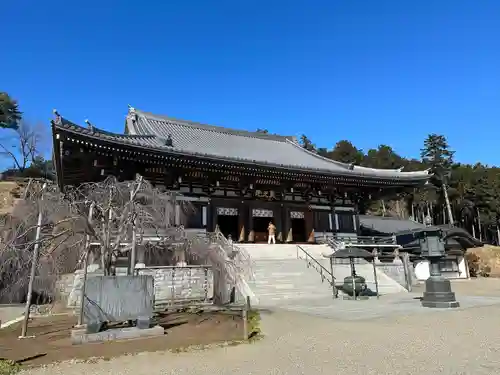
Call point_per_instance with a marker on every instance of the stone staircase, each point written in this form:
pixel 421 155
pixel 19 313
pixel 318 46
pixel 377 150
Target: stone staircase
pixel 282 275
pixel 281 278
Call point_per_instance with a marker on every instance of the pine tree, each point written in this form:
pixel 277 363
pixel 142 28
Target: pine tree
pixel 437 155
pixel 306 143
pixel 9 112
pixel 345 152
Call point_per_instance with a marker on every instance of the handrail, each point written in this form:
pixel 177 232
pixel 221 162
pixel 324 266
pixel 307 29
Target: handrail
pixel 323 271
pixel 364 239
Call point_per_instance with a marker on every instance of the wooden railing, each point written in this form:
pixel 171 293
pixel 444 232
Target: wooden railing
pixel 363 239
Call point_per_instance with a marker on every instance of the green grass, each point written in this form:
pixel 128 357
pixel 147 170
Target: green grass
pixel 8 367
pixel 253 319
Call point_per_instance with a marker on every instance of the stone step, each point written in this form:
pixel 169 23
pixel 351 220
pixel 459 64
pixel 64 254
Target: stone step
pixel 278 281
pixel 289 285
pixel 281 274
pixel 282 251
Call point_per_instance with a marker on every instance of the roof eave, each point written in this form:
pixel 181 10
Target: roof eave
pixel 352 168
pixel 412 180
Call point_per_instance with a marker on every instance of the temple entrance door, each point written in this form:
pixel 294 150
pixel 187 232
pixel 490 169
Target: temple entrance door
pixel 260 220
pixel 227 221
pixel 299 232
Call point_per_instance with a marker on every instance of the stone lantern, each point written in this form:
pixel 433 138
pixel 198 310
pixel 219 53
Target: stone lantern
pixel 438 291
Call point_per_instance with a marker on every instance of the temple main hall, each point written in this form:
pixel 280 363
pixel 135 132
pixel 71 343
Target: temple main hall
pixel 237 181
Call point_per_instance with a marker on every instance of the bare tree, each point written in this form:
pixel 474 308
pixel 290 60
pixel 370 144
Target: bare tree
pixel 22 145
pixel 123 214
pixel 60 236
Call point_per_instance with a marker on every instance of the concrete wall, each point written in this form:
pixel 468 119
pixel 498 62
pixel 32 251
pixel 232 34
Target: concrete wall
pixel 423 273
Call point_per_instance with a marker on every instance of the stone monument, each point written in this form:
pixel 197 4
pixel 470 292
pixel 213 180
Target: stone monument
pixel 438 293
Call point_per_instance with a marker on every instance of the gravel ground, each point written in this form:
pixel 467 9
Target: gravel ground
pixel 455 342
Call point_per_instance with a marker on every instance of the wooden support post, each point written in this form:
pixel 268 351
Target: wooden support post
pixel 133 251
pixel 85 266
pixel 246 309
pixel 375 277
pixel 34 264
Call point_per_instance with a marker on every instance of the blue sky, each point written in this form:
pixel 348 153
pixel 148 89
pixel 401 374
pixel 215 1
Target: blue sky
pixel 374 71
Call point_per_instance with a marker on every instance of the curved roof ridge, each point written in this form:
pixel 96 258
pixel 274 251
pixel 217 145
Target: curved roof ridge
pixel 214 128
pixel 338 163
pixel 95 129
pixel 357 167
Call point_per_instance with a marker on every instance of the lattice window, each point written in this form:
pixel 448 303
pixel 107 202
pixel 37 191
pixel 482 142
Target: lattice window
pixel 227 211
pixel 258 212
pixel 297 215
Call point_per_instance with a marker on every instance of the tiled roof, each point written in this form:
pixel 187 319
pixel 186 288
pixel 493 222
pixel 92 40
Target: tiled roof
pixel 150 131
pixel 388 225
pixel 244 146
pixel 148 141
pixel 402 228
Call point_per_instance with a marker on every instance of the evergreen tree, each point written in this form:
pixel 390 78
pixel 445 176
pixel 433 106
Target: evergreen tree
pixel 437 155
pixel 306 143
pixel 383 157
pixel 323 151
pixel 9 112
pixel 345 152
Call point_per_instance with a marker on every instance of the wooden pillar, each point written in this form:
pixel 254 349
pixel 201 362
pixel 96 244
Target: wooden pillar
pixel 278 222
pixel 287 233
pixel 308 216
pixel 281 230
pixel 214 215
pixel 251 233
pixel 242 221
pixel 61 166
pixel 283 223
pixel 210 217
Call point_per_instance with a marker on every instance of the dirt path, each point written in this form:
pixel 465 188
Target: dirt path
pixel 52 338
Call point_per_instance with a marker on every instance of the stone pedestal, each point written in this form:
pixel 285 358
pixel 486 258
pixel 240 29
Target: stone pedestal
pixel 438 293
pixel 80 336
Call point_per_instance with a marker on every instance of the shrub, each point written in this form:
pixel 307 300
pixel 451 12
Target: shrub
pixel 253 318
pixel 484 270
pixel 473 262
